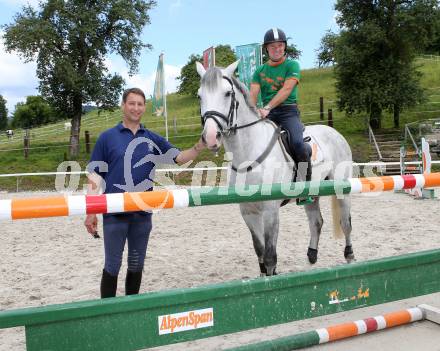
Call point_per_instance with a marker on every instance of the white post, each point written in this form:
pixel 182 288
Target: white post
pixel 426 157
pixel 165 112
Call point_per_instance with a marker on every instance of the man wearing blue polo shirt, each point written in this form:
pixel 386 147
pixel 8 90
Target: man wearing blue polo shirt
pixel 124 160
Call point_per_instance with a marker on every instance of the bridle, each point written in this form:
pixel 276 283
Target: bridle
pixel 232 128
pixel 229 119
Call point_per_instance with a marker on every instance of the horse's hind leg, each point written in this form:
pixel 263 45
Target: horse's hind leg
pixel 314 216
pixel 344 205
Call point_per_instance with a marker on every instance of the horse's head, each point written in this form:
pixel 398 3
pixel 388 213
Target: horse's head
pixel 218 104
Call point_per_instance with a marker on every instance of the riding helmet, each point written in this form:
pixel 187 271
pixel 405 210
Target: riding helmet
pixel 274 35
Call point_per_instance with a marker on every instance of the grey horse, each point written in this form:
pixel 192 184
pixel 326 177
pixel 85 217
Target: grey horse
pixel 259 157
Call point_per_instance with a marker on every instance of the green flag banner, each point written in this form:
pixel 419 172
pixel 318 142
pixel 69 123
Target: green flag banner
pixel 250 57
pixel 159 90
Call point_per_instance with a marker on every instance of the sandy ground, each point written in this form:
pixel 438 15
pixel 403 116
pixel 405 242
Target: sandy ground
pixel 54 260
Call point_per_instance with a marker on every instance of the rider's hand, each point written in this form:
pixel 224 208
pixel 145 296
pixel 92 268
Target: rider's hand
pixel 263 112
pixel 91 224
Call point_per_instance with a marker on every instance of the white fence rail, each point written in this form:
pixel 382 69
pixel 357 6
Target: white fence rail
pixel 380 165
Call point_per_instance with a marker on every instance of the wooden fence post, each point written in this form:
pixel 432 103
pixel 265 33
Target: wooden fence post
pixel 87 136
pixel 321 108
pixel 27 141
pixel 330 117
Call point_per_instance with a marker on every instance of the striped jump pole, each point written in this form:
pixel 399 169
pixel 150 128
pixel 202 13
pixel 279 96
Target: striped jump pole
pixel 70 205
pixel 337 332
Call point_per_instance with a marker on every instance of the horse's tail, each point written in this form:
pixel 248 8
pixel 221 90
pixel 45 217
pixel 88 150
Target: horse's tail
pixel 336 213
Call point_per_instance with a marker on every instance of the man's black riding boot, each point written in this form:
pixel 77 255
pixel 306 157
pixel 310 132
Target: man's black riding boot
pixel 308 177
pixel 309 170
pixel 133 282
pixel 109 284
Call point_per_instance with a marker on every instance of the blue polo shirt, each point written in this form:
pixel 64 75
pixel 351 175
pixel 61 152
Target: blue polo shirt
pixel 127 161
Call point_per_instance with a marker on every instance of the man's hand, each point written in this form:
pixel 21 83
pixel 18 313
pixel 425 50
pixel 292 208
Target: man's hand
pixel 263 112
pixel 199 146
pixel 91 224
pixel 191 153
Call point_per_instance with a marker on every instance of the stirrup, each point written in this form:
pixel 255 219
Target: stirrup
pixel 301 201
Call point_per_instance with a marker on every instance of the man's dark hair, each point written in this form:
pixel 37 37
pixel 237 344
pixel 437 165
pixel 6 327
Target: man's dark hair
pixel 136 91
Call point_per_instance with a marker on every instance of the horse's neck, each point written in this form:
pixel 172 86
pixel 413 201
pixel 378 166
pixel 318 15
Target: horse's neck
pixel 249 143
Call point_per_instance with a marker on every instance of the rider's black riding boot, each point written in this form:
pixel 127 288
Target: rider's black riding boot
pixel 109 284
pixel 133 282
pixel 309 170
pixel 304 177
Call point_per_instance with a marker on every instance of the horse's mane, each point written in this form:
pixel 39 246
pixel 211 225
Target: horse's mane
pixel 214 75
pixel 244 90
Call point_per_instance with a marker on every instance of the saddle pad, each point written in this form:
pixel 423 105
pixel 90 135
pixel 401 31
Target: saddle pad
pixel 317 153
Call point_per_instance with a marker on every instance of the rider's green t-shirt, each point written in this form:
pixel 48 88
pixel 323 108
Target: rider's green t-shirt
pixel 271 79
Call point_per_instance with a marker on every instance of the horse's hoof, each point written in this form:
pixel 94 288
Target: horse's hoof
pixel 350 259
pixel 349 254
pixel 312 254
pixel 263 270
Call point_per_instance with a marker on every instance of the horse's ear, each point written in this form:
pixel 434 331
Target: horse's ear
pixel 229 71
pixel 200 69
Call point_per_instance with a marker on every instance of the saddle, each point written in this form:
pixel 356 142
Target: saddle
pixel 285 139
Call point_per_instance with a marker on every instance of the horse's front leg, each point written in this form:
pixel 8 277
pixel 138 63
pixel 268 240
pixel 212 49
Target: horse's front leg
pixel 271 220
pixel 314 217
pixel 252 216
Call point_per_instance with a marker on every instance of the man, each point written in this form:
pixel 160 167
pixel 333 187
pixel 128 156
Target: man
pixel 123 159
pixel 277 80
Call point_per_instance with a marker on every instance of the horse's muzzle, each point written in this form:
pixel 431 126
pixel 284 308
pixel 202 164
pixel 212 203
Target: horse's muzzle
pixel 211 136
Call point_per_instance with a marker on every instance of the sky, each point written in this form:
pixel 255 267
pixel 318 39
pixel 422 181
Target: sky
pixel 180 28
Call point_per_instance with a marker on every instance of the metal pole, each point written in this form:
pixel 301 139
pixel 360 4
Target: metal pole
pixel 165 114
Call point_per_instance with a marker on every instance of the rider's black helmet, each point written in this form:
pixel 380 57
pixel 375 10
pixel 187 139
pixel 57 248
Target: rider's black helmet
pixel 274 35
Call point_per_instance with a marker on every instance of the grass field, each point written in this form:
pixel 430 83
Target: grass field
pixel 49 144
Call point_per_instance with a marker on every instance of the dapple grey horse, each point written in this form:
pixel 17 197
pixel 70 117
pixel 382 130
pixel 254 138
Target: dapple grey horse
pixel 228 118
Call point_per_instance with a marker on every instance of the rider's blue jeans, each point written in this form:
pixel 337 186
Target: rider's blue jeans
pixel 289 118
pixel 134 228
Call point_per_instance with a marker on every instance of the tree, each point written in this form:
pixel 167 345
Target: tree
pixel 70 40
pixel 374 54
pixel 326 52
pixel 434 44
pixel 224 55
pixel 189 78
pixel 35 112
pixel 3 114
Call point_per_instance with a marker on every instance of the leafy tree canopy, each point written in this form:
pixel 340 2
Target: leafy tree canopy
pixel 3 113
pixel 190 79
pixel 35 112
pixel 374 54
pixel 70 41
